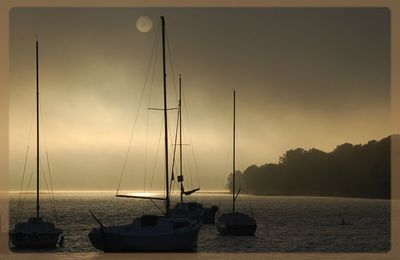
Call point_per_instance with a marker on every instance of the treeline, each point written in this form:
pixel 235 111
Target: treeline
pixel 348 171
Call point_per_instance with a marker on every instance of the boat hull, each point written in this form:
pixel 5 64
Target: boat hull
pixel 148 233
pixel 114 242
pixel 35 240
pixel 236 230
pixel 236 224
pixel 208 216
pixel 36 233
pixel 190 210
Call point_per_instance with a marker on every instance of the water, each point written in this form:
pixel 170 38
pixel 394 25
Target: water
pixel 285 224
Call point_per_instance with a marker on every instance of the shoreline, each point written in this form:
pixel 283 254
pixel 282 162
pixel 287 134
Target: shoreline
pixel 211 192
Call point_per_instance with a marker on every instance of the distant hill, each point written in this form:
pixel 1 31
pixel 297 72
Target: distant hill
pixel 348 171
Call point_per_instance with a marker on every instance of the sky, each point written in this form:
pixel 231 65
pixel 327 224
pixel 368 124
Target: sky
pixel 304 77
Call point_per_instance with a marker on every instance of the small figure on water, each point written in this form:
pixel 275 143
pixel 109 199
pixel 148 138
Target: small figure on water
pixel 344 222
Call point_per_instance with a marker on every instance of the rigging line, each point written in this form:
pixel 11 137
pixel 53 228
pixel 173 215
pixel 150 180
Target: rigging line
pixel 188 163
pixel 239 156
pixel 151 88
pixel 237 150
pixel 170 133
pixel 190 175
pixel 175 142
pixel 22 183
pixel 190 137
pixel 47 187
pixel 47 161
pixel 26 191
pixel 153 62
pixel 136 117
pixel 172 187
pixel 158 206
pixel 148 102
pixel 226 151
pixel 25 163
pixel 51 186
pixel 171 65
pixel 194 160
pixel 155 163
pixel 117 207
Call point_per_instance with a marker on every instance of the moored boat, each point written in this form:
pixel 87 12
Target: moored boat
pixel 192 210
pixel 235 223
pixel 36 233
pixel 150 233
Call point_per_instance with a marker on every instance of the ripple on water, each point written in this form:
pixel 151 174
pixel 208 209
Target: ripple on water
pixel 285 224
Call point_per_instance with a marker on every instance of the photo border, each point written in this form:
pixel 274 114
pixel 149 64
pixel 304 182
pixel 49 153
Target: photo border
pixel 392 5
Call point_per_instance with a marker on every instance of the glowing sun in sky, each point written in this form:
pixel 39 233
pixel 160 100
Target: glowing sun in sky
pixel 144 24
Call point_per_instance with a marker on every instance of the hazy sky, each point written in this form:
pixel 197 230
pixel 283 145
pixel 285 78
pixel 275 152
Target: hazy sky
pixel 304 78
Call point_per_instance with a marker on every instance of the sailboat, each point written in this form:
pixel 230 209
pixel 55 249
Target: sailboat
pixel 235 223
pixel 36 233
pixel 150 232
pixel 191 210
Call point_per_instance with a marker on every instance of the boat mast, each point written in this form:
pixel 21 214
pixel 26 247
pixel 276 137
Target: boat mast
pixel 37 129
pixel 165 118
pixel 233 181
pixel 180 134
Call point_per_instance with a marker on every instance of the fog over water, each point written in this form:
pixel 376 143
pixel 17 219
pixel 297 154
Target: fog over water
pixel 304 78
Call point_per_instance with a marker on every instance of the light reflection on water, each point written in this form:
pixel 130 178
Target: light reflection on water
pixel 285 224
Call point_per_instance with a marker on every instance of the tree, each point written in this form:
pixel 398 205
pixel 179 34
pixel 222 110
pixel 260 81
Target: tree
pixel 349 170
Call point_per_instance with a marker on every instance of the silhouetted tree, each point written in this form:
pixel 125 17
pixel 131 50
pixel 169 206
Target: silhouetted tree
pixel 238 177
pixel 349 170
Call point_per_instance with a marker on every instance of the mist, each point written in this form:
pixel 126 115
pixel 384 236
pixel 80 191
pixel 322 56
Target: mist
pixel 303 78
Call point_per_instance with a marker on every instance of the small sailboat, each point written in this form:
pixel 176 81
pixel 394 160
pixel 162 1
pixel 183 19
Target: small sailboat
pixel 344 223
pixel 36 233
pixel 235 223
pixel 150 232
pixel 191 210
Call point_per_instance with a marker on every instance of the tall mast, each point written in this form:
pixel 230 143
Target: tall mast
pixel 165 117
pixel 180 134
pixel 234 116
pixel 37 129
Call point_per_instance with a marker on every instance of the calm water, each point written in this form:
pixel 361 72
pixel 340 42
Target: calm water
pixel 285 224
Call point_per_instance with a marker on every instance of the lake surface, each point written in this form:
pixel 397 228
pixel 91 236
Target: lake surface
pixel 285 224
